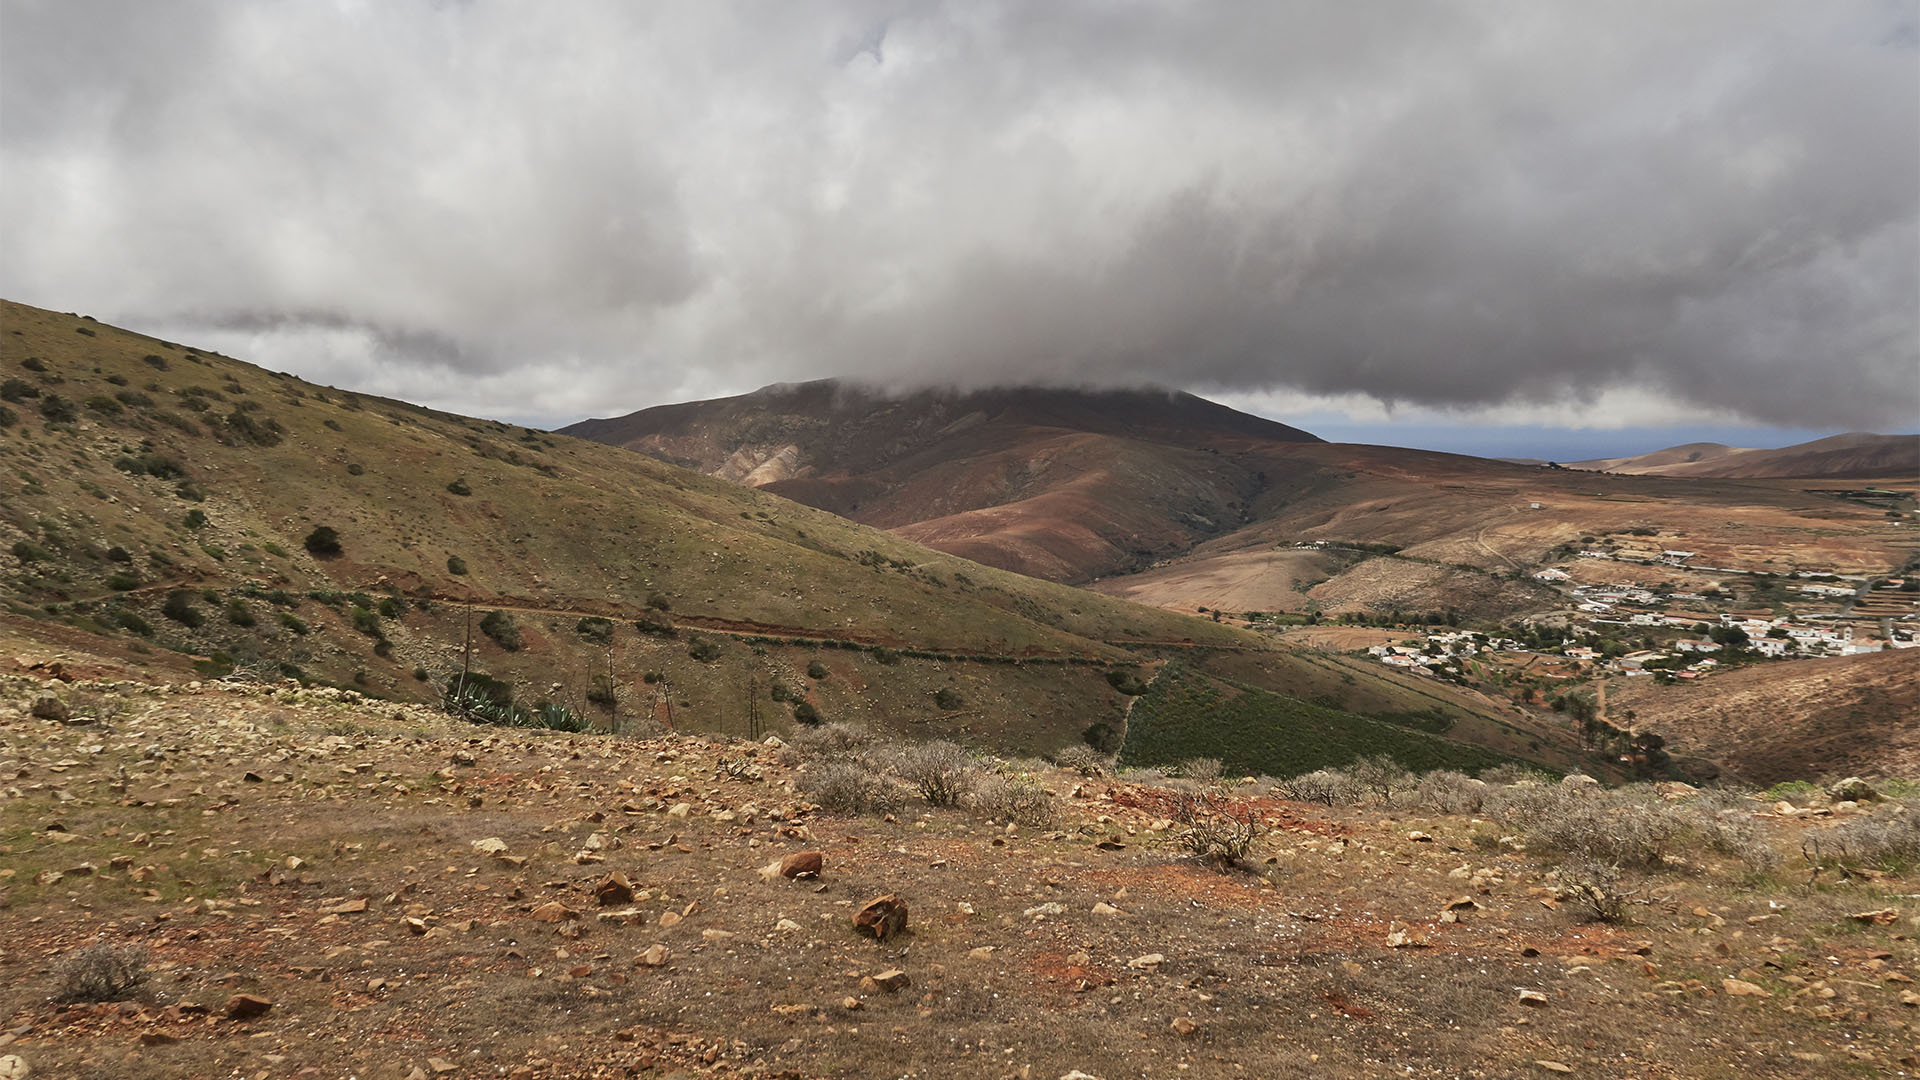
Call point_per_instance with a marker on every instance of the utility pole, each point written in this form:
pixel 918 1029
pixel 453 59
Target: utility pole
pixel 466 653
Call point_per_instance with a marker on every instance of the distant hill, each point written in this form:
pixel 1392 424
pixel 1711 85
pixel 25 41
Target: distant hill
pixel 186 514
pixel 1183 503
pixel 1856 455
pixel 1061 484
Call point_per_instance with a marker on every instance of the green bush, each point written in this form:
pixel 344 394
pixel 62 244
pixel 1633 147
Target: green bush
pixel 456 565
pixel 499 626
pixel 292 622
pixel 179 607
pixel 323 541
pixel 805 713
pixel 27 551
pixel 392 607
pixel 595 629
pixel 239 614
pixel 703 650
pixel 58 410
pixel 459 487
pixel 816 670
pixel 195 519
pixel 132 622
pixel 365 621
pixel 18 390
pixel 948 698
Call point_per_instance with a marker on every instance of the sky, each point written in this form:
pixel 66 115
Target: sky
pixel 1530 228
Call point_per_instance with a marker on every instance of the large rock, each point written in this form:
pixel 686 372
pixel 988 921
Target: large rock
pixel 801 864
pixel 1852 789
pixel 881 917
pixel 613 889
pixel 14 1067
pixel 246 1007
pixel 48 707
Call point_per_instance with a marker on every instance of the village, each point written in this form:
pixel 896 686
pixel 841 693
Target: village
pixel 1681 633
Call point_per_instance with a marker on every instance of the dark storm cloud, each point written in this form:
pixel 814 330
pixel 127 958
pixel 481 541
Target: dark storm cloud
pixel 577 208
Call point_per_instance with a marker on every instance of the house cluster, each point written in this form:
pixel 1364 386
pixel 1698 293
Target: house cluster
pixel 1438 650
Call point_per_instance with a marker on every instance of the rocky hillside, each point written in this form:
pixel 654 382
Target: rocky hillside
pixel 275 881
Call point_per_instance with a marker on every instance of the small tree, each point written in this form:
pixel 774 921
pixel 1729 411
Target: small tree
pixel 323 542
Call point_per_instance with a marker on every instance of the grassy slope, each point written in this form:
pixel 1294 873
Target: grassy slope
pixel 553 528
pixel 1187 714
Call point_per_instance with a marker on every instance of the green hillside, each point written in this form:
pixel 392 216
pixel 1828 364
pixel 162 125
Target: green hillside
pixel 1186 714
pixel 188 512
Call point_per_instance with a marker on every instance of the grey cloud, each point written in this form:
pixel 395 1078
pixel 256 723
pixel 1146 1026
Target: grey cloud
pixel 561 210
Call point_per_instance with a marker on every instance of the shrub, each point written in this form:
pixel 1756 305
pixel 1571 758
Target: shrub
pixel 832 740
pixel 354 468
pixel 392 607
pixel 239 614
pixel 703 650
pixel 323 542
pixel 123 582
pixel 58 410
pixel 155 360
pixel 1126 681
pixel 1328 787
pixel 1021 800
pixel 101 972
pixel 8 417
pixel 1593 887
pixel 805 713
pixel 459 487
pixel 601 691
pixel 105 405
pixel 940 771
pixel 1213 830
pixel 292 622
pixel 117 553
pixel 1084 760
pixel 456 565
pixel 659 602
pixel 655 626
pixel 499 626
pixel 1203 770
pixel 366 621
pixel 1445 791
pixel 595 629
pixel 1382 776
pixel 816 670
pixel 179 607
pixel 28 551
pixel 948 698
pixel 846 787
pixel 18 390
pixel 196 519
pixel 1889 840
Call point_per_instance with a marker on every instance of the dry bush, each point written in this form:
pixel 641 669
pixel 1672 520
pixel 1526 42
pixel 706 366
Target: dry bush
pixel 1213 830
pixel 1022 800
pixel 1887 840
pixel 1382 777
pixel 1594 887
pixel 1444 791
pixel 1202 770
pixel 1084 760
pixel 849 787
pixel 1590 824
pixel 1735 832
pixel 832 740
pixel 101 972
pixel 1515 773
pixel 1329 787
pixel 942 772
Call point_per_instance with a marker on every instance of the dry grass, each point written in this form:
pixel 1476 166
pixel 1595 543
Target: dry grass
pixel 1292 972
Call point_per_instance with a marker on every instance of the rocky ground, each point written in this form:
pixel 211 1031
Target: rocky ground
pixel 324 886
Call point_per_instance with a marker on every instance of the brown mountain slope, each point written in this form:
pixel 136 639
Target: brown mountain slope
pixel 1061 484
pixel 1855 454
pixel 1773 722
pixel 1180 503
